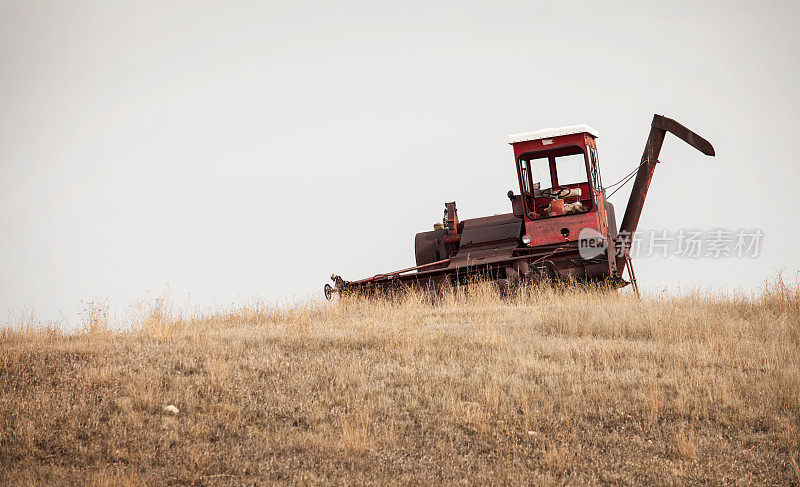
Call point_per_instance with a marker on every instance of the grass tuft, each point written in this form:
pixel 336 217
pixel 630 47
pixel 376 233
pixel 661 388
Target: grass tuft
pixel 543 385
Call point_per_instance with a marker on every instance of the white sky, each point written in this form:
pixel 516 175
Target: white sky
pixel 236 149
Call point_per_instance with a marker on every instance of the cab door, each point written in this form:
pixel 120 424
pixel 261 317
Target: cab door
pixel 598 194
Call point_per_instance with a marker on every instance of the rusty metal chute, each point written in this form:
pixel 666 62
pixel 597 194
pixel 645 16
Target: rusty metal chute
pixel 658 130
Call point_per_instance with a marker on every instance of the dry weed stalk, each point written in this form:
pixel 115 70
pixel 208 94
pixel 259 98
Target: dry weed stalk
pixel 546 385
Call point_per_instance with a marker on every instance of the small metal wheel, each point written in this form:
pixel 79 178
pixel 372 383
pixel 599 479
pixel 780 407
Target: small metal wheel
pixel 328 292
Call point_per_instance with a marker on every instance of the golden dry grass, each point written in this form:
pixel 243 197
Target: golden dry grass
pixel 547 386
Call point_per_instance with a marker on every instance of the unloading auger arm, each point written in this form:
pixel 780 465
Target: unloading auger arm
pixel 658 129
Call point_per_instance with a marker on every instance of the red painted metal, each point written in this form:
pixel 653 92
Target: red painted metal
pixel 558 142
pixel 401 271
pixel 550 222
pixel 547 231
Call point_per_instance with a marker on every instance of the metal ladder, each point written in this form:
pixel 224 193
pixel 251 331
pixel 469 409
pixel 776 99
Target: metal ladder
pixel 631 274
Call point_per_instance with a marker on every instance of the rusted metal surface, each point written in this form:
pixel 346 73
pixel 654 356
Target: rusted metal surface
pixel 430 246
pixel 489 229
pixel 451 218
pixel 379 277
pixel 658 130
pixel 669 125
pixel 540 238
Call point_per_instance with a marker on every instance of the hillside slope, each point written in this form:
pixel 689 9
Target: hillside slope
pixel 549 386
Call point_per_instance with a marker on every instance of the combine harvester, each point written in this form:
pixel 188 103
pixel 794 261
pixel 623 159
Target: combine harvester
pixel 561 226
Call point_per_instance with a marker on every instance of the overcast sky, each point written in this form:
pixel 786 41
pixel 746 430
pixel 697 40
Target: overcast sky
pixel 237 149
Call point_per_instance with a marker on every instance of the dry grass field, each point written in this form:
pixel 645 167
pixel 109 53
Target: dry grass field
pixel 549 386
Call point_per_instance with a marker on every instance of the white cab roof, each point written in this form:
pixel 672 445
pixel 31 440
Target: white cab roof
pixel 552 132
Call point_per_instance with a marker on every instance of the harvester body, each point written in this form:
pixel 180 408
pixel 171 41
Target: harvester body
pixel 561 226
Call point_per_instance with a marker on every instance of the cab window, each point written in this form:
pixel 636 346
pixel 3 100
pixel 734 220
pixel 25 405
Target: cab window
pixel 540 173
pixel 570 169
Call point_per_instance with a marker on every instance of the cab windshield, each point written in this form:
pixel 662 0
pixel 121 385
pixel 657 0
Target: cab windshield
pixel 551 169
pixel 557 174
